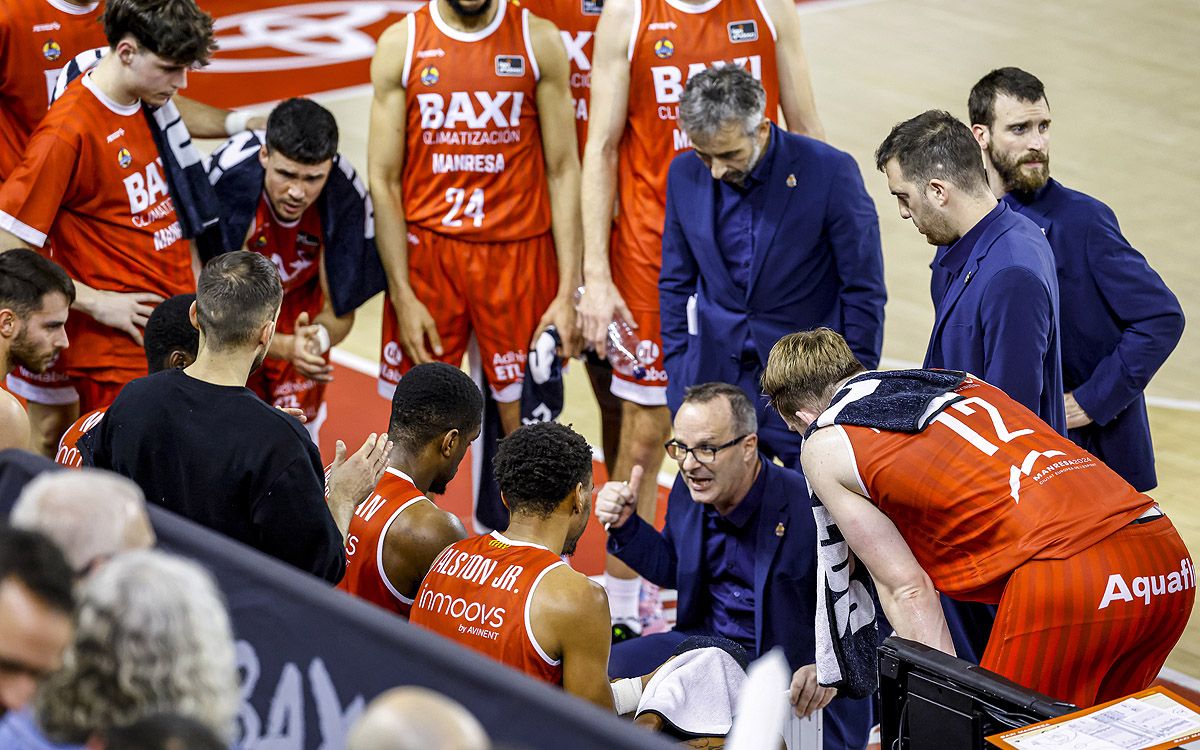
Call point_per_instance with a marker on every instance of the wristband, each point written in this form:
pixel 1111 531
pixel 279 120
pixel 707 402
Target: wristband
pixel 236 121
pixel 627 693
pixel 323 338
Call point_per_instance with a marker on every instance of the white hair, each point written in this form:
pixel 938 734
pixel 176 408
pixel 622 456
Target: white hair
pixel 151 636
pixel 89 513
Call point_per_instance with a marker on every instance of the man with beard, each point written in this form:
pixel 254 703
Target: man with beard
pixel 510 595
pixel 995 294
pixel 35 296
pixel 1119 321
pixel 394 537
pixel 199 443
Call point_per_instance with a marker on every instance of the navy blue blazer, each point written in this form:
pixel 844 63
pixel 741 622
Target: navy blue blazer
pixel 785 577
pixel 999 319
pixel 1119 323
pixel 817 262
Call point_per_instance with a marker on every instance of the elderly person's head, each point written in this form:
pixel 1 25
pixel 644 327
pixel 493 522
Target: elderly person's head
pixel 91 514
pixel 722 110
pixel 412 718
pixel 151 636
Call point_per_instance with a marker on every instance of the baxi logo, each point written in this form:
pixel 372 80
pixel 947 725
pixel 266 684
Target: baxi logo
pixel 664 48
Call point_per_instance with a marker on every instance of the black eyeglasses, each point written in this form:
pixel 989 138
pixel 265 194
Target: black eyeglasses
pixel 705 454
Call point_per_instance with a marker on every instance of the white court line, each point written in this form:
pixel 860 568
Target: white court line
pixel 366 367
pixel 1159 402
pixel 1179 678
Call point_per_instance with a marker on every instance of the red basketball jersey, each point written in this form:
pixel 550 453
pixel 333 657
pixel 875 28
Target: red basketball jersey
pixel 474 166
pixel 576 21
pixel 988 486
pixel 295 248
pixel 92 182
pixel 369 526
pixel 68 452
pixel 479 592
pixel 673 40
pixel 37 38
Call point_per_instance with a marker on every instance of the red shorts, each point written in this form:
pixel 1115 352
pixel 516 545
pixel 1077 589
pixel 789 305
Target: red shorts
pixel 496 290
pixel 278 383
pixel 1099 624
pixel 92 389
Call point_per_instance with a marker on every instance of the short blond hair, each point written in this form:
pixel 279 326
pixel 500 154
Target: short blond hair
pixel 803 368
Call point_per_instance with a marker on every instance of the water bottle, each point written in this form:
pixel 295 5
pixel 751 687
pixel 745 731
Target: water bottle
pixel 623 348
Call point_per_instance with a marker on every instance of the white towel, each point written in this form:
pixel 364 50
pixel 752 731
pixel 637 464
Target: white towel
pixel 763 707
pixel 696 692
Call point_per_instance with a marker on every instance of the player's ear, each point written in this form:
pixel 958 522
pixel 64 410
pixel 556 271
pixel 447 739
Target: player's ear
pixel 192 316
pixel 449 441
pixel 262 155
pixel 8 322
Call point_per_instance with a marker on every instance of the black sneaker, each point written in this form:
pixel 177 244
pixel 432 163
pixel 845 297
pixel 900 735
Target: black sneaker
pixel 622 631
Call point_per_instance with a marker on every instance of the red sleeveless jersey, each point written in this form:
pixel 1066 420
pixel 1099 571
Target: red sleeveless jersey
pixel 37 38
pixel 576 21
pixel 988 486
pixel 364 542
pixel 68 452
pixel 479 592
pixel 92 183
pixel 671 41
pixel 295 248
pixel 474 166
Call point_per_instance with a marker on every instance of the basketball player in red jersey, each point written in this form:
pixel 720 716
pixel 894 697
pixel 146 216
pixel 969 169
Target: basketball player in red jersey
pixel 510 595
pixel 987 503
pixel 285 226
pixel 475 178
pixel 171 343
pixel 645 52
pixel 90 186
pixel 395 535
pixel 35 295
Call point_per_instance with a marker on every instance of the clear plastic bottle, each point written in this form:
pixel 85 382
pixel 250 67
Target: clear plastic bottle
pixel 623 346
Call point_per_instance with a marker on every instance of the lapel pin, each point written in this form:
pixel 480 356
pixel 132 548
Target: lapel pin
pixel 967 280
pixel 791 182
pixel 779 529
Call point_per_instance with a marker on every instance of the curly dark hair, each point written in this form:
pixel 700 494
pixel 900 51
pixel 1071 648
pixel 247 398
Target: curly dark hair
pixel 176 30
pixel 539 464
pixel 303 131
pixel 430 400
pixel 170 329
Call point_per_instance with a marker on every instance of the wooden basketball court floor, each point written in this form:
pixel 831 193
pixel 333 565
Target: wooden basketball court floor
pixel 1123 80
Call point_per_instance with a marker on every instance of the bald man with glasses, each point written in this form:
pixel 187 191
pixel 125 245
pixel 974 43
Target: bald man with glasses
pixel 738 546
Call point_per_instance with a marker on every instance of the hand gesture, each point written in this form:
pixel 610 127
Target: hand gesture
pixel 806 693
pixel 617 501
pixel 305 355
pixel 561 315
pixel 125 311
pixel 601 302
pixel 416 325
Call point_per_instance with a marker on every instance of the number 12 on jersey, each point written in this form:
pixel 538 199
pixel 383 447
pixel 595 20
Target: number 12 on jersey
pixel 473 209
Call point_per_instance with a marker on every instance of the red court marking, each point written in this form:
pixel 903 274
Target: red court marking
pixel 356 410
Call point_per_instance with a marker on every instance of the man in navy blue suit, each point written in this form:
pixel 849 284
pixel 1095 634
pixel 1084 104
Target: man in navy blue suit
pixel 995 293
pixel 766 233
pixel 739 546
pixel 1119 321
